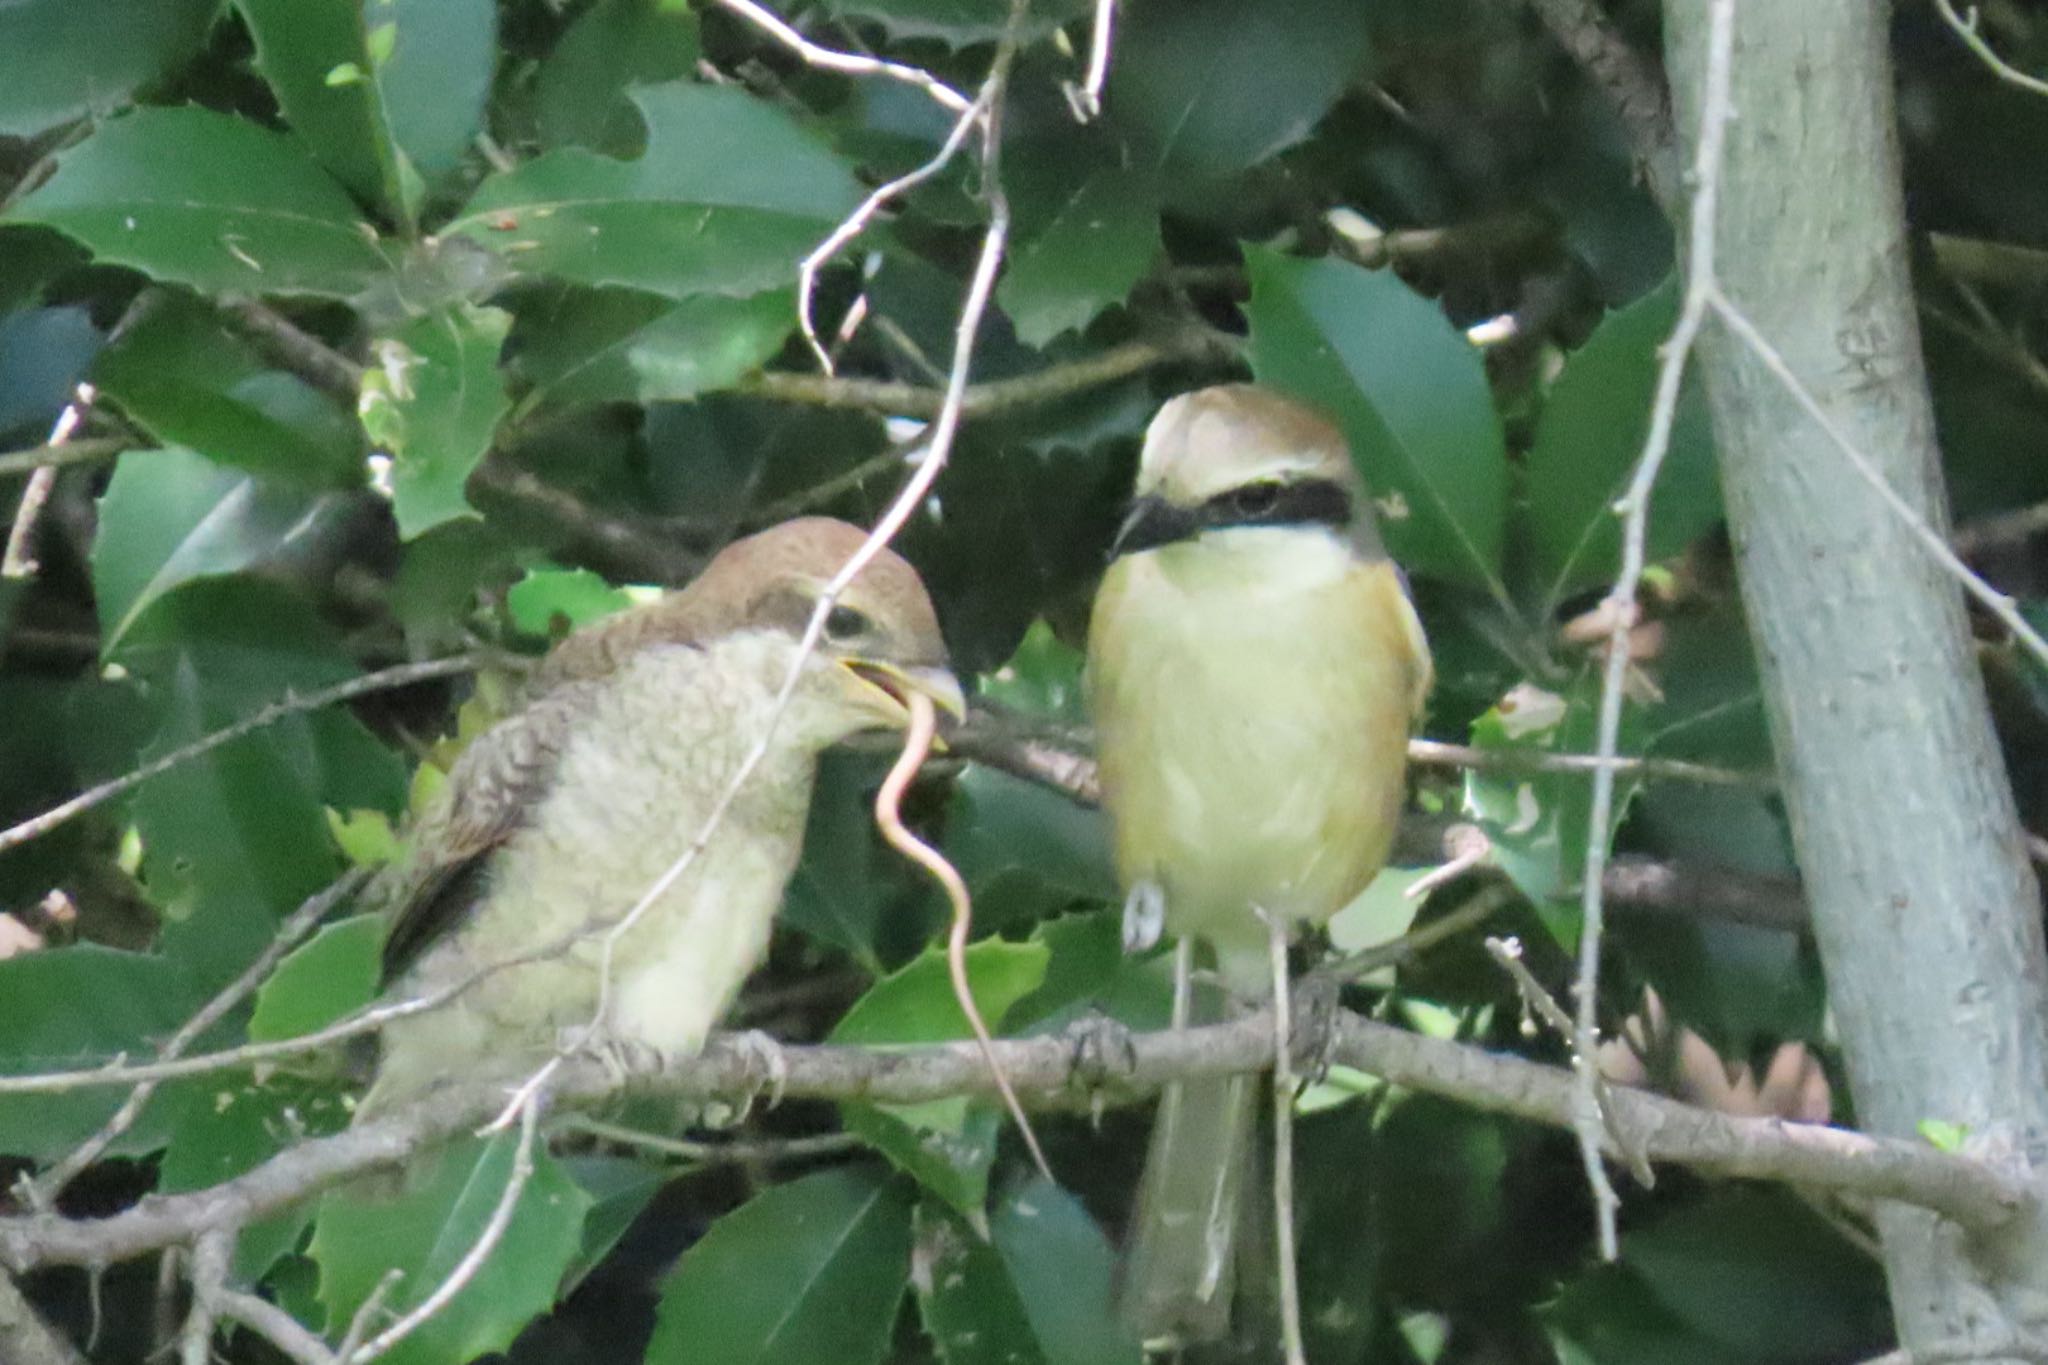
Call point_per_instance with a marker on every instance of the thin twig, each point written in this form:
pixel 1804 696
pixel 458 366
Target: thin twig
pixel 479 1251
pixel 275 1326
pixel 1966 29
pixel 2000 529
pixel 88 451
pixel 1086 101
pixel 1283 1139
pixel 1438 754
pixel 863 217
pixel 383 680
pixel 297 350
pixel 1536 1000
pixel 1621 603
pixel 210 1256
pixel 16 561
pixel 1476 911
pixel 847 63
pixel 43 1191
pixel 364 1320
pixel 1540 1003
pixel 738 1151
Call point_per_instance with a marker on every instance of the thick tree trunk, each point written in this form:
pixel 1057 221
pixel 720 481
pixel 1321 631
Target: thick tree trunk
pixel 1925 907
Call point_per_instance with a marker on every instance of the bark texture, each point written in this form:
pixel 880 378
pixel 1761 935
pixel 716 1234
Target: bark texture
pixel 1925 907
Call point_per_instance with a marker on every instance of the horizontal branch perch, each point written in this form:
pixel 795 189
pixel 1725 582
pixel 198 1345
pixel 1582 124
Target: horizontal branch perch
pixel 1975 1193
pixel 995 395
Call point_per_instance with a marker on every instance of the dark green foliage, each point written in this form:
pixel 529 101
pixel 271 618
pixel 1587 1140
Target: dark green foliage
pixel 557 263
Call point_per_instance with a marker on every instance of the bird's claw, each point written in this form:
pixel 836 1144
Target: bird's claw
pixel 1101 1050
pixel 1144 916
pixel 1315 1001
pixel 1101 1054
pixel 623 1059
pixel 766 1069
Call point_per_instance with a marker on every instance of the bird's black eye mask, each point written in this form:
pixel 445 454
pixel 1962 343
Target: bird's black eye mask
pixel 1153 521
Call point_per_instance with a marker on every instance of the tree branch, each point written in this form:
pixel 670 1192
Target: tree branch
pixel 996 395
pixel 1631 81
pixel 1049 1071
pixel 93 448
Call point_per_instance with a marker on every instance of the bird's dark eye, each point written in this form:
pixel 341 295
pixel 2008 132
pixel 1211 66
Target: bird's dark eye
pixel 1255 499
pixel 844 623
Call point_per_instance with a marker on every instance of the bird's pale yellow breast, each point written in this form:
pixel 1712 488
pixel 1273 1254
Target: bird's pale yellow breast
pixel 1253 692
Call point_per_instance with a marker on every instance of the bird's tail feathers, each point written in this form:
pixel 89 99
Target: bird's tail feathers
pixel 1202 1205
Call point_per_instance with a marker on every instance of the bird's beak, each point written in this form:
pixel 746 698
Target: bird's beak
pixel 1152 522
pixel 895 683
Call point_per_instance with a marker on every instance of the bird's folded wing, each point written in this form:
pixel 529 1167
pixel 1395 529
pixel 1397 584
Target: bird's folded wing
pixel 491 792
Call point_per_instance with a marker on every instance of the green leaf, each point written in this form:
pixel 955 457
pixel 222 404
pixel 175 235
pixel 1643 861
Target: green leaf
pixel 236 838
pixel 72 1008
pixel 335 971
pixel 439 578
pixel 618 1188
pixel 226 1127
pixel 1738 1266
pixel 187 380
pixel 1609 1317
pixel 553 601
pixel 1088 971
pixel 1379 914
pixel 1943 1135
pixel 1588 442
pixel 428 1230
pixel 916 1005
pixel 435 403
pixel 315 59
pixel 1064 1269
pixel 947 1145
pixel 1450 1202
pixel 1027 852
pixel 608 345
pixel 89 56
pixel 1042 677
pixel 1099 244
pixel 1539 822
pixel 171 516
pixel 581 89
pixel 1036 1292
pixel 806 1272
pixel 434 76
pixel 1210 87
pixel 848 883
pixel 1410 393
pixel 688 217
pixel 206 200
pixel 966 1298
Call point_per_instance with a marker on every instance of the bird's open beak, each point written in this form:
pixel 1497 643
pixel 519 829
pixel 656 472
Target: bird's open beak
pixel 895 684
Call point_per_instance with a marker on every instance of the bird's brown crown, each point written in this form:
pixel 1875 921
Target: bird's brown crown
pixel 772 581
pixel 1213 440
